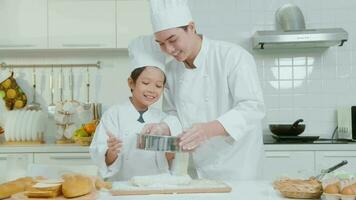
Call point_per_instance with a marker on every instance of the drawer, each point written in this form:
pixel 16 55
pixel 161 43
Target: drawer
pixel 63 159
pixel 14 164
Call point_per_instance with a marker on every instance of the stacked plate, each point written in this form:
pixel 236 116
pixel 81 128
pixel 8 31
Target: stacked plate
pixel 24 126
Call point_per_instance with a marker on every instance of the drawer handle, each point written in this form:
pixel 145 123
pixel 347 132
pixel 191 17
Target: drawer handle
pixel 81 45
pixel 282 155
pixel 69 157
pixel 16 45
pixel 338 156
pixel 3 158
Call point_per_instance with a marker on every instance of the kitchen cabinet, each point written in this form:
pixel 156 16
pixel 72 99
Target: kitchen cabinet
pixel 133 19
pixel 63 158
pixel 23 24
pixel 17 162
pixel 82 24
pixel 326 159
pixel 287 163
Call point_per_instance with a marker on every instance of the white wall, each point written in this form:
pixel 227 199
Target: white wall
pixel 297 84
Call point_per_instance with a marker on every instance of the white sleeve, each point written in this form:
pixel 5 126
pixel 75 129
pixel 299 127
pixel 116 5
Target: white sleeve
pixel 168 107
pixel 248 110
pixel 98 147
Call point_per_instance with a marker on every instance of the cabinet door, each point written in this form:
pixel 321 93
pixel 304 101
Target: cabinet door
pixel 133 19
pixel 82 24
pixel 327 159
pixel 23 24
pixel 297 164
pixel 14 165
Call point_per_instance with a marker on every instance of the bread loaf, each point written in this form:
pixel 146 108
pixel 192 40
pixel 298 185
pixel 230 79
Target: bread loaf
pixel 44 190
pixel 19 185
pixel 75 185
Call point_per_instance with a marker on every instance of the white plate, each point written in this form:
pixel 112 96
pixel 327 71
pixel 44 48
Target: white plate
pixel 19 126
pixel 14 121
pixel 35 125
pixel 7 128
pixel 26 123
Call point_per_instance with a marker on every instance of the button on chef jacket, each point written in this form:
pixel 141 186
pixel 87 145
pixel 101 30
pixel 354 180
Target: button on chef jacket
pixel 122 121
pixel 224 86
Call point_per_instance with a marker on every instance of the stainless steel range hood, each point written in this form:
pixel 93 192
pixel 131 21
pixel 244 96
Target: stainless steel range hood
pixel 291 32
pixel 317 38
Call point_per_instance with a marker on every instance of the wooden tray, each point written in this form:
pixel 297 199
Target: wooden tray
pixel 90 196
pixel 196 186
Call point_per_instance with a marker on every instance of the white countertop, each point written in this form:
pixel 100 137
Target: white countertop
pixel 74 148
pixel 249 190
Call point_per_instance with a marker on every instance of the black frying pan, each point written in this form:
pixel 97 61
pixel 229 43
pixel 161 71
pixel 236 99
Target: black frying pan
pixel 288 129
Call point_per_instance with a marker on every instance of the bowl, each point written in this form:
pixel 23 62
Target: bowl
pixel 294 129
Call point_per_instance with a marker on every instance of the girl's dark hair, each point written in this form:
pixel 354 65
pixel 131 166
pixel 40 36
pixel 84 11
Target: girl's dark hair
pixel 137 72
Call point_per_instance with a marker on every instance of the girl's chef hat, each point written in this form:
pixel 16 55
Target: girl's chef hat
pixel 166 14
pixel 144 51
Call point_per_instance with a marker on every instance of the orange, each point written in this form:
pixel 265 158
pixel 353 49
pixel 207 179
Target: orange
pixel 90 127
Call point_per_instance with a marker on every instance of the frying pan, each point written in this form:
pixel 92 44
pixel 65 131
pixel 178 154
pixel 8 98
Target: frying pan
pixel 288 129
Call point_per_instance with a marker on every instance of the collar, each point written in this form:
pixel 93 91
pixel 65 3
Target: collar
pixel 200 59
pixel 134 110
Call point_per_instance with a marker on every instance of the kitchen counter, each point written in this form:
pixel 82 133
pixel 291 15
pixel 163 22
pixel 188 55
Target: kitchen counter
pixel 74 148
pixel 256 190
pixel 44 148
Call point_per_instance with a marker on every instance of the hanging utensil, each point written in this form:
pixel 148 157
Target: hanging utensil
pixel 60 85
pixel 87 105
pixel 51 106
pixel 34 105
pixel 331 169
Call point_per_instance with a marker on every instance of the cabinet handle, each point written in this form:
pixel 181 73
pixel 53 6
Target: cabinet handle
pixel 338 156
pixel 280 155
pixel 69 157
pixel 81 45
pixel 16 45
pixel 3 158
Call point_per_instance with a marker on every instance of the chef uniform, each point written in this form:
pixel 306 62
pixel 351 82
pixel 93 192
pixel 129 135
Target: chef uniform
pixel 125 122
pixel 224 86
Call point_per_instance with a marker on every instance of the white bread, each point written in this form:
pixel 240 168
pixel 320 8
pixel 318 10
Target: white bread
pixel 76 185
pixel 19 185
pixel 44 190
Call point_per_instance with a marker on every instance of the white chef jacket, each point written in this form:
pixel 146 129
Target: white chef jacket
pixel 121 121
pixel 224 86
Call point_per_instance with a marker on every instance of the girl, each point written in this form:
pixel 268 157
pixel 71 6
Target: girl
pixel 114 145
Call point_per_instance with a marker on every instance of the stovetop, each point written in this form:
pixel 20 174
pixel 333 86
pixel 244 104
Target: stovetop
pixel 269 139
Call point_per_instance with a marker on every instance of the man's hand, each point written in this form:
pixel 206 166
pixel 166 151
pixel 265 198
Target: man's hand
pixel 156 129
pixel 191 138
pixel 114 148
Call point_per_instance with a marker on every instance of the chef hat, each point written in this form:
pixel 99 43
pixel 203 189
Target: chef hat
pixel 144 51
pixel 166 14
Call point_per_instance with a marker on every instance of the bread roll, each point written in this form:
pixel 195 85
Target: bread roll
pixel 44 190
pixel 19 185
pixel 75 185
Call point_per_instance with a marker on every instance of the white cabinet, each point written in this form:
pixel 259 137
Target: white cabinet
pixel 288 163
pixel 14 165
pixel 327 159
pixel 63 158
pixel 23 24
pixel 82 24
pixel 133 19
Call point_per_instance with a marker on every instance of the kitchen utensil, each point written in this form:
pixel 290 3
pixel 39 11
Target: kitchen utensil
pixel 158 143
pixel 51 106
pixel 87 106
pixel 331 169
pixel 34 105
pixel 60 85
pixel 290 18
pixel 288 129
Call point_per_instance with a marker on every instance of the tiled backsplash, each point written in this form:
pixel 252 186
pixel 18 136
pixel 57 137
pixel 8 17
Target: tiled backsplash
pixel 308 84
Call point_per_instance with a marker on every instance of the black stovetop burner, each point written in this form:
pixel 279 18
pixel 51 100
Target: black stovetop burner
pixel 273 139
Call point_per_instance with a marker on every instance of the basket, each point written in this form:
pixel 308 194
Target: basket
pixel 296 188
pixel 83 141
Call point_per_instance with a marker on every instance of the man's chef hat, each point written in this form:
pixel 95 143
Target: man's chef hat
pixel 144 51
pixel 166 14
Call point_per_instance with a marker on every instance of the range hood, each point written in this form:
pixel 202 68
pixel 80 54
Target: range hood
pixel 291 33
pixel 317 38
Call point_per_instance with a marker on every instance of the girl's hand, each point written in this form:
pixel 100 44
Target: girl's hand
pixel 156 129
pixel 114 149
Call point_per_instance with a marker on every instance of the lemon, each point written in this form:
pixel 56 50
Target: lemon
pixel 2 94
pixel 11 93
pixel 19 104
pixel 6 83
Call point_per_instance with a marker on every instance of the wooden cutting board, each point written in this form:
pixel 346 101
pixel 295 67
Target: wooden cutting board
pixel 196 186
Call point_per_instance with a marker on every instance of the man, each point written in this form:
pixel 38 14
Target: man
pixel 213 88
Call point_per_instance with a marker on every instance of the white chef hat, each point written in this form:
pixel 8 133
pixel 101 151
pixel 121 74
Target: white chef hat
pixel 144 51
pixel 166 14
